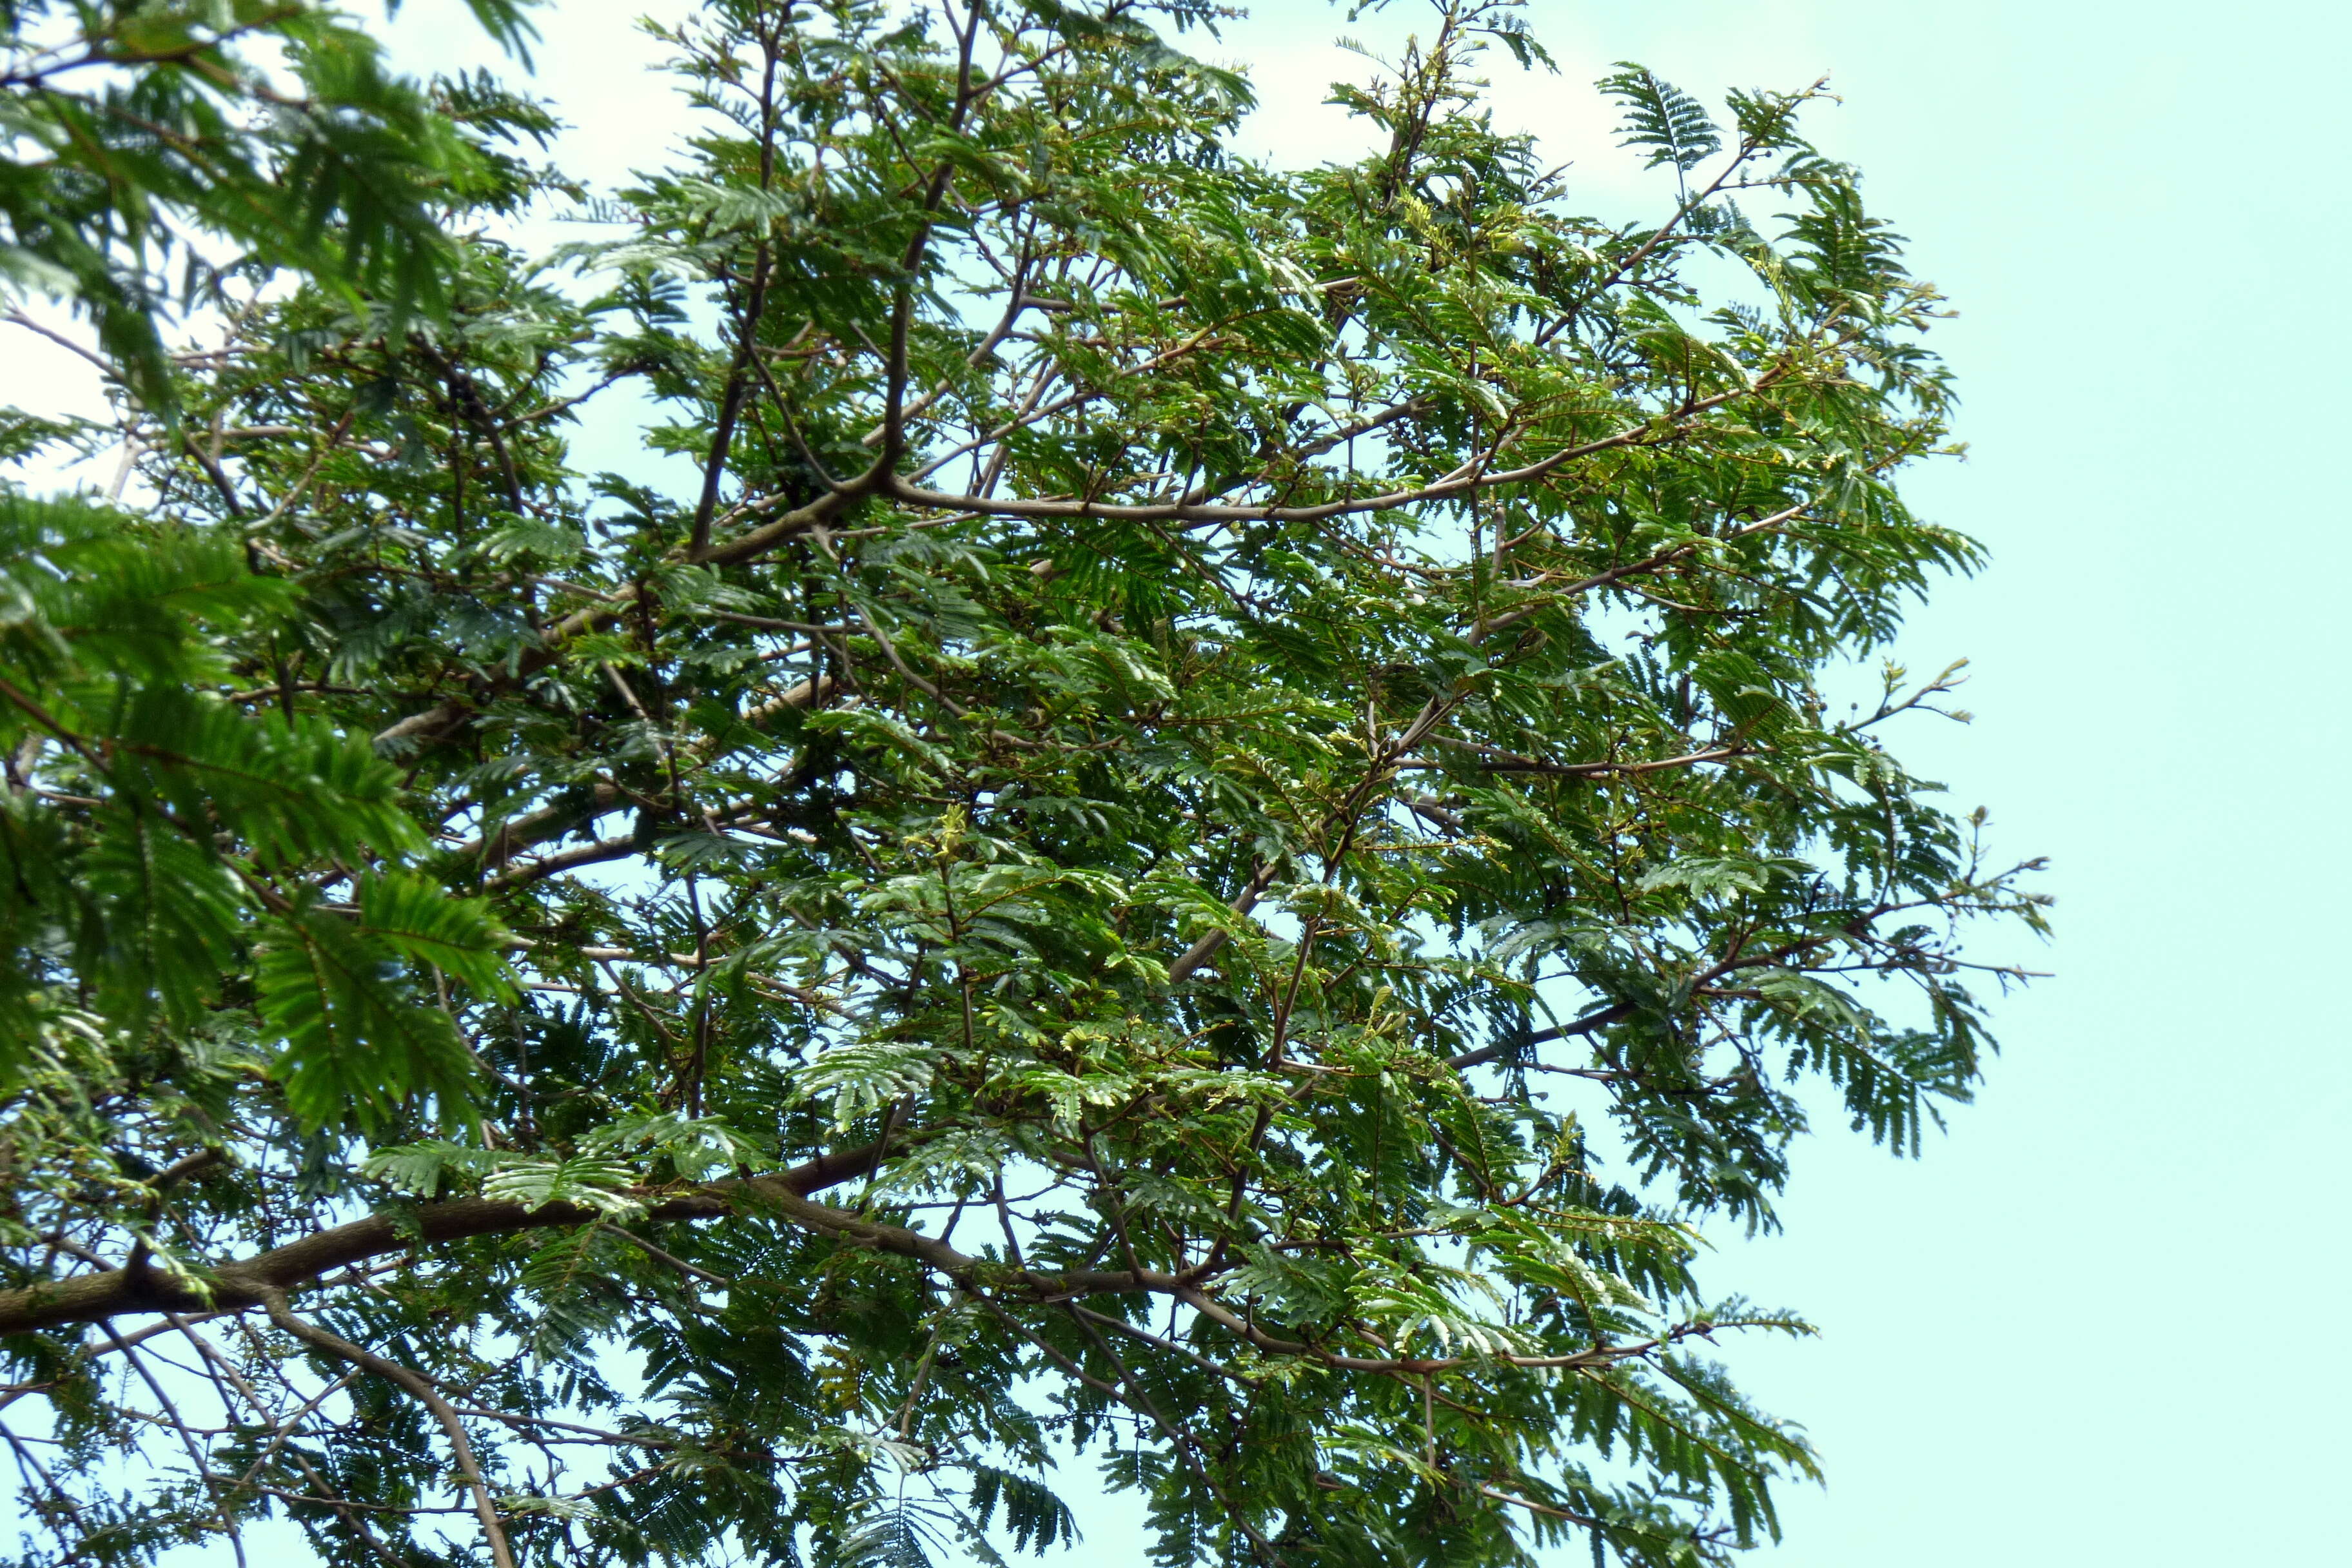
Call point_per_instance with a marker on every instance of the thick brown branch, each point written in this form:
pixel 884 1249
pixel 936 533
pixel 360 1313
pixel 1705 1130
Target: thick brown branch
pixel 116 1292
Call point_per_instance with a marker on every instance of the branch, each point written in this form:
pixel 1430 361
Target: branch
pixel 1452 488
pixel 1617 1012
pixel 1584 1025
pixel 417 1384
pixel 1508 763
pixel 1201 952
pixel 792 524
pixel 1635 568
pixel 428 724
pixel 247 1283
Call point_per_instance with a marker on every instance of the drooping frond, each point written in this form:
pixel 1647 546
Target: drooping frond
pixel 1674 126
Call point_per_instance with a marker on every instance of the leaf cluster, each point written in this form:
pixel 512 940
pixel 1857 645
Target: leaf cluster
pixel 1203 831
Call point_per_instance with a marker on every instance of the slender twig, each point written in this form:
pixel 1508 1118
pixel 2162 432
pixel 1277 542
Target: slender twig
pixel 417 1384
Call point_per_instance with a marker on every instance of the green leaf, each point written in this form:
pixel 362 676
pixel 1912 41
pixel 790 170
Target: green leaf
pixel 358 1045
pixel 1660 116
pixel 169 917
pixel 415 917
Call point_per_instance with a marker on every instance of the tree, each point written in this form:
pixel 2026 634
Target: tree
pixel 1203 836
pixel 144 133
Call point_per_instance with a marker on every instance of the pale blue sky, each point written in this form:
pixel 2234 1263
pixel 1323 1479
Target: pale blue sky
pixel 2094 1324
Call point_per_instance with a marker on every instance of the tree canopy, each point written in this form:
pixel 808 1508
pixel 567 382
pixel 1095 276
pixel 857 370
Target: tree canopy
pixel 1205 827
pixel 144 134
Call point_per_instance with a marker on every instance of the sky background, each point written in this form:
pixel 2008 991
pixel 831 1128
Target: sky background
pixel 2095 1323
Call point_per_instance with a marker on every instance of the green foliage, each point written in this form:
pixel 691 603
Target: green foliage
pixel 138 131
pixel 1674 126
pixel 195 828
pixel 1208 833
